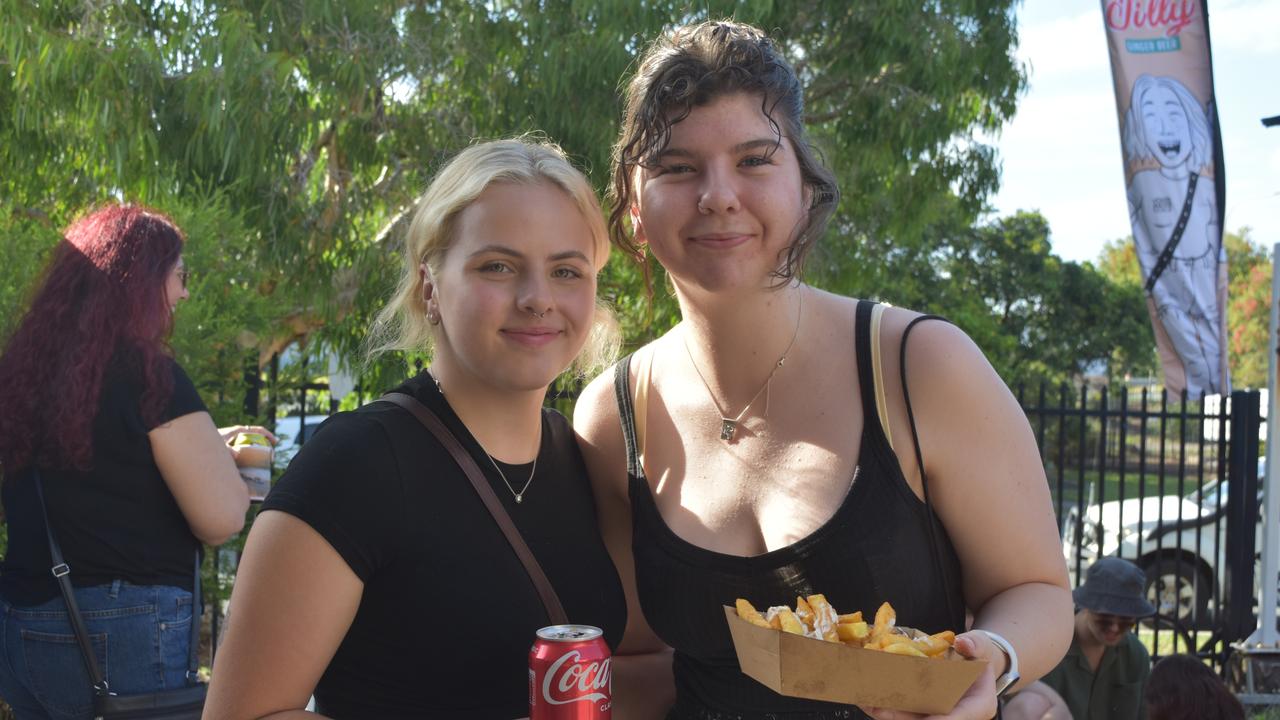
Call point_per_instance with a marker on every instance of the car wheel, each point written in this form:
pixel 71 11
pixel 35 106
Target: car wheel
pixel 1179 589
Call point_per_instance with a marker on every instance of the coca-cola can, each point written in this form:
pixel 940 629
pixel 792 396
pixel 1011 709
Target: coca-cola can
pixel 569 674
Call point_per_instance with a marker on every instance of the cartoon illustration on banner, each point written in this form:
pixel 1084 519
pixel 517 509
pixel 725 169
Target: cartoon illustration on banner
pixel 1164 96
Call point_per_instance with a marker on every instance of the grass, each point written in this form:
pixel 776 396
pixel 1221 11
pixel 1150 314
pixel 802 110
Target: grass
pixel 1133 485
pixel 1170 642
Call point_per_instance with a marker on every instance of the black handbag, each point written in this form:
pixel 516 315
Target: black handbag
pixel 178 704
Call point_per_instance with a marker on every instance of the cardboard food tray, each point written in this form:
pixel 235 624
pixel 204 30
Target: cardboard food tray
pixel 805 667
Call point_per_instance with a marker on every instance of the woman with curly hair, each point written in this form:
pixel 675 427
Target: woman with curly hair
pixel 97 417
pixel 765 447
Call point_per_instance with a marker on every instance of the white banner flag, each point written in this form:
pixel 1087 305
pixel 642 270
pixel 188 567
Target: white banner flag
pixel 1160 62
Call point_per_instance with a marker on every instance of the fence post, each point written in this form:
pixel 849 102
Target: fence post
pixel 252 386
pixel 1242 513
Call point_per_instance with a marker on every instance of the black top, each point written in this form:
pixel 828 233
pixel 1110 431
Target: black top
pixel 448 613
pixel 876 547
pixel 118 520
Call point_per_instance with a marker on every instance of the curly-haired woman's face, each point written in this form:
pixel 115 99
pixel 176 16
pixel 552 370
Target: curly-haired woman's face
pixel 724 199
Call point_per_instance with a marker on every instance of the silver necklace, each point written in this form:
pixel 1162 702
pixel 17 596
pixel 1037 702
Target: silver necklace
pixel 728 425
pixel 518 495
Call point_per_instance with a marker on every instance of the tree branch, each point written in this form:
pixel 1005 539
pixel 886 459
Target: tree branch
pixel 303 167
pixel 396 227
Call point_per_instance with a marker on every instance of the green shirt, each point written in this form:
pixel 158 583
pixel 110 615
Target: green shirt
pixel 1114 692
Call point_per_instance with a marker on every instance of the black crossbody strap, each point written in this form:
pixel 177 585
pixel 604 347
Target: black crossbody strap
pixel 1166 255
pixel 550 600
pixel 62 572
pixel 197 619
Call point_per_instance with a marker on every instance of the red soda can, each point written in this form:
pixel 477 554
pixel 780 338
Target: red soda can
pixel 569 675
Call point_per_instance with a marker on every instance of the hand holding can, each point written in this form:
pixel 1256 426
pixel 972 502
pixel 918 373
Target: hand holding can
pixel 569 674
pixel 253 453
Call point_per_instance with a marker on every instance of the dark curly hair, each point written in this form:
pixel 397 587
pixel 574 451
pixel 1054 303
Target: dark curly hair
pixel 690 67
pixel 1182 687
pixel 101 293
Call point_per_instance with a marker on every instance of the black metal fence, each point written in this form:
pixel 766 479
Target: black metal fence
pixel 1170 484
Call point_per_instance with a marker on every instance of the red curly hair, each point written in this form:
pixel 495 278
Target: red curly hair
pixel 103 292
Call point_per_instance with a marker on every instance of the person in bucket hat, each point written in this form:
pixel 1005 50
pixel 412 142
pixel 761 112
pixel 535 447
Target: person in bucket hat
pixel 1113 586
pixel 1104 675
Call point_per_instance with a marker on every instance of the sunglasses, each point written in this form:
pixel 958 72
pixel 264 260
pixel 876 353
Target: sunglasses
pixel 1119 622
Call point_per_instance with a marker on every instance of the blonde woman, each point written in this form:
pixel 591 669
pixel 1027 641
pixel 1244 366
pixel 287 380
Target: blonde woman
pixel 375 578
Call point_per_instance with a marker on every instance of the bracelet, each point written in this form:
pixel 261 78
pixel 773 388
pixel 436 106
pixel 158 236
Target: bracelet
pixel 1010 676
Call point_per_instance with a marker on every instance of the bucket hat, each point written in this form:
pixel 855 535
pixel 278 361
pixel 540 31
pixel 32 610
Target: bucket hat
pixel 1114 586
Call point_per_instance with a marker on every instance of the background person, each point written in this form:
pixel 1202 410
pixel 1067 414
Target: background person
pixel 375 577
pixel 1036 701
pixel 1105 672
pixel 135 475
pixel 1182 687
pixel 762 448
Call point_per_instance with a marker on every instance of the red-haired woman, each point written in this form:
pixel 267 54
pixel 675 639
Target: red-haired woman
pixel 134 474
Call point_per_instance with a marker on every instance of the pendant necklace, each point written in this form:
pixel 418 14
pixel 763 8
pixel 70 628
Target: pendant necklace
pixel 729 426
pixel 518 495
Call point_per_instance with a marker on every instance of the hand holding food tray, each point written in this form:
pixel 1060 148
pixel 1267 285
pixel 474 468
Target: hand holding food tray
pixel 814 652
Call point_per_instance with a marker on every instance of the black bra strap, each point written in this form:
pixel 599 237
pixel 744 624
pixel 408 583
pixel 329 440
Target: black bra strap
pixel 932 517
pixel 866 368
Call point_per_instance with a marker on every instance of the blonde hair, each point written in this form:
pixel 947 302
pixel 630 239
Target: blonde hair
pixel 526 160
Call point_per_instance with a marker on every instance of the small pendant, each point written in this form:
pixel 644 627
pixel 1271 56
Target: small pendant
pixel 727 429
pixel 519 498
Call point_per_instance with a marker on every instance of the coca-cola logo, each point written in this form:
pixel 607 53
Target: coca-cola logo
pixel 575 681
pixel 1173 15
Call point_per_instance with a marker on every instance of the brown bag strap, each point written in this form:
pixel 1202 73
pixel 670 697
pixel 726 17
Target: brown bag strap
pixel 550 600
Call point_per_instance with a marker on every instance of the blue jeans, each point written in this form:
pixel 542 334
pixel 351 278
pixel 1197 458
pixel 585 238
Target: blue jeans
pixel 141 634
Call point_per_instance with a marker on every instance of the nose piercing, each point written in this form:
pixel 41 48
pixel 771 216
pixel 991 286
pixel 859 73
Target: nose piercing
pixel 701 208
pixel 540 315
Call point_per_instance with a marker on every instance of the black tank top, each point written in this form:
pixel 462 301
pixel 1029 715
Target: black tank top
pixel 882 544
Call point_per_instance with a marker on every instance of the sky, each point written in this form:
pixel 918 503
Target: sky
pixel 1061 153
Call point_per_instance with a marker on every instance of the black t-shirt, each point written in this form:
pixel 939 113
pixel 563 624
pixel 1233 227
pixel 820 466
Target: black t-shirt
pixel 448 612
pixel 118 520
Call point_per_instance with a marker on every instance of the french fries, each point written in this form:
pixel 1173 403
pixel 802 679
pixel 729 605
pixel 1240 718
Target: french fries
pixel 815 617
pixel 748 612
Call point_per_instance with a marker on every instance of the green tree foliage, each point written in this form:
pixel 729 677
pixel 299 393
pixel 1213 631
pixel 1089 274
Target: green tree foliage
pixel 290 137
pixel 1037 316
pixel 1248 309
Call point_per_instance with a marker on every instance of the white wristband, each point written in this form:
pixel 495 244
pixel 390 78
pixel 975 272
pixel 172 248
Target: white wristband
pixel 1010 676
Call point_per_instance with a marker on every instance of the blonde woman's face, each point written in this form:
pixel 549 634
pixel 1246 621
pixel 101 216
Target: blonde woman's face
pixel 515 292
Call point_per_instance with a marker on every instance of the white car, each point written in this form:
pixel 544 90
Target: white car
pixel 1180 542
